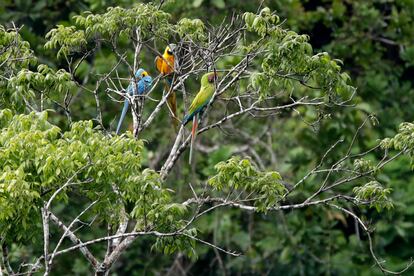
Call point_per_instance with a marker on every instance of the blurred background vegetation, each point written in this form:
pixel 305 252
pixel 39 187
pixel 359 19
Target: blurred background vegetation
pixel 375 41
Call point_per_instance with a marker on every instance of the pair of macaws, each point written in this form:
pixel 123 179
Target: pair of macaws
pixel 165 65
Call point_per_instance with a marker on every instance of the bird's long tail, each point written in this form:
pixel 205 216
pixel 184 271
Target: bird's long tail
pixel 172 104
pixel 193 136
pixel 124 111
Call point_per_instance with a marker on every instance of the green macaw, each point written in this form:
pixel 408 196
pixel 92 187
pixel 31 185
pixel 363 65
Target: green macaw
pixel 198 105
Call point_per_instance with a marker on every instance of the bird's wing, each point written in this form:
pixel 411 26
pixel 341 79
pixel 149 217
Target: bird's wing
pixel 201 99
pixel 143 86
pixel 158 63
pixel 169 65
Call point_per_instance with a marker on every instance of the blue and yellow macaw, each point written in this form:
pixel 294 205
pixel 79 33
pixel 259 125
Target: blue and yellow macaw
pixel 198 105
pixel 165 65
pixel 142 82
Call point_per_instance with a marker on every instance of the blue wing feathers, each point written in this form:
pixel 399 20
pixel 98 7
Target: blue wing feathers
pixel 189 117
pixel 143 85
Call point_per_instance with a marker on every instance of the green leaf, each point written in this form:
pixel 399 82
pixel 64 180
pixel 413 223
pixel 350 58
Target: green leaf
pixel 219 3
pixel 197 3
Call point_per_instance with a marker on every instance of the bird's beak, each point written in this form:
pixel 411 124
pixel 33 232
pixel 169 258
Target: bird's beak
pixel 212 77
pixel 172 47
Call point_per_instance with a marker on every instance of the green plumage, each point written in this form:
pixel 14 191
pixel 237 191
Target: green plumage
pixel 202 98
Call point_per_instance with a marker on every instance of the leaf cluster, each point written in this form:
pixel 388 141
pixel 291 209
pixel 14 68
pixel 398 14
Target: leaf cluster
pixel 288 59
pixel 37 159
pixel 375 193
pixel 265 188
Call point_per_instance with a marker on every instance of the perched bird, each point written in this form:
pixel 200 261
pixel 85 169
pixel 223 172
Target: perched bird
pixel 198 105
pixel 165 65
pixel 142 82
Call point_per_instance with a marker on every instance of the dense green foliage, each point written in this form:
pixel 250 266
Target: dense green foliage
pixel 67 46
pixel 37 159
